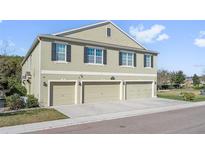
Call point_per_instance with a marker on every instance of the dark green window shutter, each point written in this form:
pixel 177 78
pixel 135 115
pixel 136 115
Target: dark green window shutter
pixel 68 58
pixel 53 52
pixel 144 60
pixel 85 55
pixel 120 58
pixel 135 64
pixel 104 57
pixel 152 61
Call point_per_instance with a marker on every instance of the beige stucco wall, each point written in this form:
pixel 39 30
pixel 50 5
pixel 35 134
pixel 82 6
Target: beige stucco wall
pixel 99 34
pixel 42 52
pixel 32 65
pixel 77 64
pixel 77 61
pixel 46 77
pixel 41 61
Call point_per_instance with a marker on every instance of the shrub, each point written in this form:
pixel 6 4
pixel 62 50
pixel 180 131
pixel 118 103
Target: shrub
pixel 15 87
pixel 188 96
pixel 198 87
pixel 165 86
pixel 15 102
pixel 32 102
pixel 176 86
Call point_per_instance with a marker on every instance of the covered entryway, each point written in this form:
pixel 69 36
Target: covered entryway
pixel 135 90
pixel 62 93
pixel 95 92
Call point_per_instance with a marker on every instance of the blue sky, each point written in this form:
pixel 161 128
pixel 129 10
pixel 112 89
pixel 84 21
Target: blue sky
pixel 181 44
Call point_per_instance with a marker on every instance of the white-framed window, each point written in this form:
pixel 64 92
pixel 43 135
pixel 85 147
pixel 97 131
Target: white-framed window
pixel 94 55
pixel 127 58
pixel 61 52
pixel 148 61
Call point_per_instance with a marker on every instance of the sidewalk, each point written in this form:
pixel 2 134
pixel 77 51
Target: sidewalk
pixel 81 120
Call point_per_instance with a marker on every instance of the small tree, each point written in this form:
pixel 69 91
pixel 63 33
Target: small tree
pixel 32 101
pixel 172 77
pixel 9 67
pixel 15 86
pixel 15 102
pixel 163 77
pixel 196 80
pixel 179 77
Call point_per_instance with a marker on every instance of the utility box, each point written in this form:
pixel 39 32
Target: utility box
pixel 2 100
pixel 202 92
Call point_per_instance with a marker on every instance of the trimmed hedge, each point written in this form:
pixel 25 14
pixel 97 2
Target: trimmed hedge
pixel 15 102
pixel 187 96
pixel 31 101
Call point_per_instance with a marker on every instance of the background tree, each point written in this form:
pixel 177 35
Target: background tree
pixel 196 80
pixel 10 68
pixel 179 77
pixel 163 77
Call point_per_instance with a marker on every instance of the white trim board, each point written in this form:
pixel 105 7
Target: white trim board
pixel 82 27
pixel 101 81
pixel 93 73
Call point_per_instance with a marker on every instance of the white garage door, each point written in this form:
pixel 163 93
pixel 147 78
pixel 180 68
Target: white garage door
pixel 62 93
pixel 101 92
pixel 135 90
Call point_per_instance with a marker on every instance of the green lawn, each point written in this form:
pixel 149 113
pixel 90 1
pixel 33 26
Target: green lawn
pixel 29 116
pixel 175 94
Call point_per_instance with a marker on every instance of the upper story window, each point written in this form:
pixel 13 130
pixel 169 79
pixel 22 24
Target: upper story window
pixel 108 32
pixel 127 58
pixel 94 55
pixel 148 61
pixel 61 52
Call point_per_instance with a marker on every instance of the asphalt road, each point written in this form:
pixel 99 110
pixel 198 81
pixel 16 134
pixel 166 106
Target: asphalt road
pixel 188 121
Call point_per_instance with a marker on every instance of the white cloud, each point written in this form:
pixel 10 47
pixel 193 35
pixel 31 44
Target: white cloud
pixel 154 33
pixel 200 41
pixel 162 37
pixel 201 33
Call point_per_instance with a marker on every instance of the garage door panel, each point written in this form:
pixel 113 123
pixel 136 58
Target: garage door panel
pixel 62 93
pixel 101 91
pixel 135 90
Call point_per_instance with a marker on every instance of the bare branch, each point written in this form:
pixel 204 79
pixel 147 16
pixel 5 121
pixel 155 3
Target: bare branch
pixel 7 47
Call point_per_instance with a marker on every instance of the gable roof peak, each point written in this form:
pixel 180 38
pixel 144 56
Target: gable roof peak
pixel 97 25
pixel 83 28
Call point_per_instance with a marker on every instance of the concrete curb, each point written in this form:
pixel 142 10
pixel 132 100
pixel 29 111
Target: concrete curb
pixel 82 120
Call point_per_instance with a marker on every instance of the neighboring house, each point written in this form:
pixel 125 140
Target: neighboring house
pixel 188 82
pixel 92 64
pixel 202 79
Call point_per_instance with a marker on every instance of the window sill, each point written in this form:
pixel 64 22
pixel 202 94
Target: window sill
pixel 95 64
pixel 148 67
pixel 127 66
pixel 60 62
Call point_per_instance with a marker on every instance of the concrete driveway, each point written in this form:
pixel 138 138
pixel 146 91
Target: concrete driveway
pixel 91 113
pixel 94 109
